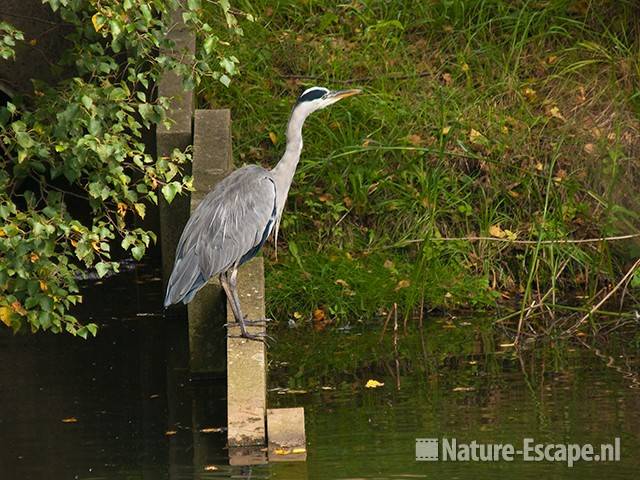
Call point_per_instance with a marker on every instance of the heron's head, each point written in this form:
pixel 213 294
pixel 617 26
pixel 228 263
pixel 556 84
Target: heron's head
pixel 316 98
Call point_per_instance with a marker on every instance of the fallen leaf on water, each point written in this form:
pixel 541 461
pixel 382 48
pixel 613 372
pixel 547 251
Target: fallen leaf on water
pixel 373 384
pixel 211 429
pixel 70 420
pixel 170 433
pixel 210 468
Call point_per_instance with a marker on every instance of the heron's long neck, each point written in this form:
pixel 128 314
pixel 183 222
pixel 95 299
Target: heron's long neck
pixel 285 169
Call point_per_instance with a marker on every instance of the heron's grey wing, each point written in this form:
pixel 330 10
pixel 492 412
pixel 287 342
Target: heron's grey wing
pixel 229 225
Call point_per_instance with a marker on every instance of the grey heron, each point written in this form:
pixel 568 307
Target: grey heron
pixel 234 220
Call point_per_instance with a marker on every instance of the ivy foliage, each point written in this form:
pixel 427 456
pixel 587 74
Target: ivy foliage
pixel 81 141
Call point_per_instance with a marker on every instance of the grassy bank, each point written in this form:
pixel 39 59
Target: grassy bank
pixel 503 120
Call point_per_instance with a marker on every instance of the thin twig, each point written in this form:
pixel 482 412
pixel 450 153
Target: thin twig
pixel 606 297
pixel 522 242
pixel 393 76
pixel 384 327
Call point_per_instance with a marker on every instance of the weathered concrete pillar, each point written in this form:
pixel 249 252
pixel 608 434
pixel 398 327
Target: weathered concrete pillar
pixel 246 364
pixel 212 161
pixel 174 216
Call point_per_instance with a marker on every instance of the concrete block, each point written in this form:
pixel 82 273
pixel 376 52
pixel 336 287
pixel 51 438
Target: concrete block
pixel 286 434
pixel 246 364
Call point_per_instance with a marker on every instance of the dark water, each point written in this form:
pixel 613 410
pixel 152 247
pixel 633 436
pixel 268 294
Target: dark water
pixel 122 406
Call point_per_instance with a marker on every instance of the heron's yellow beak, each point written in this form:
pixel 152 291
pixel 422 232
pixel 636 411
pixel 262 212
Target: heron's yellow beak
pixel 340 94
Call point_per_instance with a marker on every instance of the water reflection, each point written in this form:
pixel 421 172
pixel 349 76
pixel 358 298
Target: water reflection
pixel 122 405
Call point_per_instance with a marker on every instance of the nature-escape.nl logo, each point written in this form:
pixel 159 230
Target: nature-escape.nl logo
pixel 450 450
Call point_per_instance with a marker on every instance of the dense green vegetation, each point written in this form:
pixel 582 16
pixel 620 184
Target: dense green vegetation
pixel 81 141
pixel 506 120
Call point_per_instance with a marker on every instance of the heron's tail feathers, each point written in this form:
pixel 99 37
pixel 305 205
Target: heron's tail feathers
pixel 185 281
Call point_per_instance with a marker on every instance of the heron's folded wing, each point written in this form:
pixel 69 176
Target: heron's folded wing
pixel 234 219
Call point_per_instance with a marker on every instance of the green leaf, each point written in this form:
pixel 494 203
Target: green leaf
pixel 93 328
pixel 140 208
pixel 102 268
pixel 87 102
pixel 138 251
pixel 170 190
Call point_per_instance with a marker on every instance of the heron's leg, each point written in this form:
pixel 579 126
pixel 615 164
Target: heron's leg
pixel 233 278
pixel 234 300
pixel 224 281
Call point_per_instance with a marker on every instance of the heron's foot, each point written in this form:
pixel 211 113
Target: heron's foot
pixel 252 323
pixel 259 336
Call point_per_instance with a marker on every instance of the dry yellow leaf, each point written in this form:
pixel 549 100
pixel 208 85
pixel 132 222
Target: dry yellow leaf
pixel 476 137
pixel 388 264
pixel 589 148
pixel 556 113
pixel 210 468
pixel 464 389
pixel 170 433
pixel 373 384
pixel 446 130
pixel 5 316
pixel 539 166
pixel 496 231
pixel 2 233
pixel 402 284
pixel 97 23
pixel 530 93
pixel 18 308
pixel 415 140
pixel 70 420
pixel 273 137
pixel 342 283
pixel 43 286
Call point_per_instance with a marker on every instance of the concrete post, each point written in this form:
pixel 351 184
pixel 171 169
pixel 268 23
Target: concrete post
pixel 174 216
pixel 212 161
pixel 246 364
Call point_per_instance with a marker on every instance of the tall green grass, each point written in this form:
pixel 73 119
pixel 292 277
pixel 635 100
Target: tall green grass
pixel 478 118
